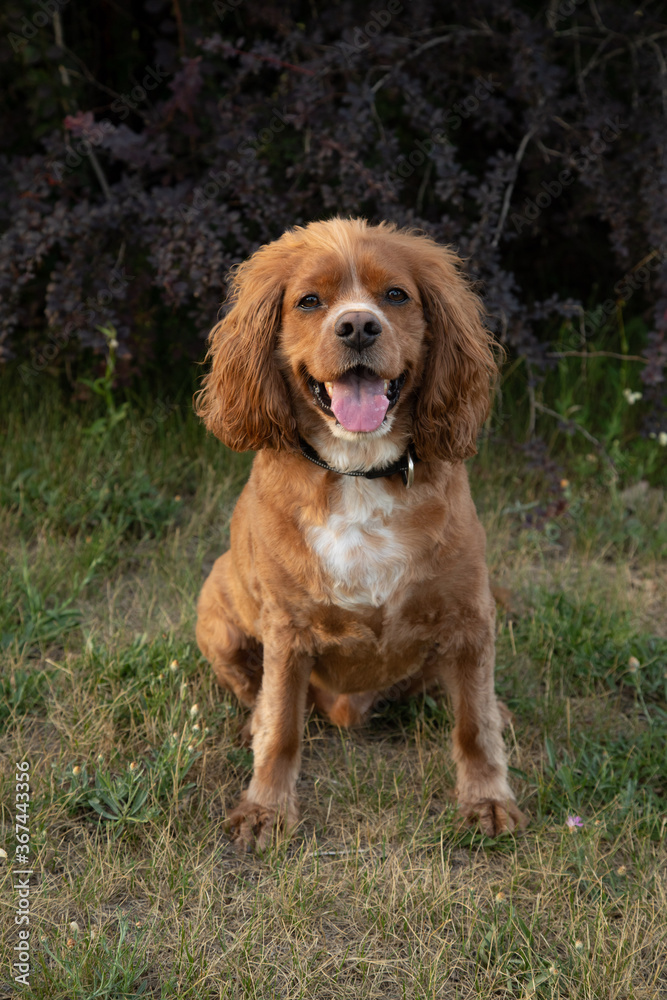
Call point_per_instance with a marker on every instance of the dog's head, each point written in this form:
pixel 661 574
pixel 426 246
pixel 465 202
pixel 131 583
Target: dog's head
pixel 358 331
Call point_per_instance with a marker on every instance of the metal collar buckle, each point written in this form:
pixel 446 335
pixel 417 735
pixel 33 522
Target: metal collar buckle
pixel 408 475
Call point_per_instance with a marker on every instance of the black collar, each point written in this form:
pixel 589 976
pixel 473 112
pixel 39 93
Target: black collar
pixel 405 465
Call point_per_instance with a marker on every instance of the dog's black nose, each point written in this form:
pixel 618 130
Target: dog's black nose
pixel 358 329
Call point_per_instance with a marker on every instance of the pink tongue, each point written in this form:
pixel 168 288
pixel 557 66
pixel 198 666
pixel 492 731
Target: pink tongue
pixel 359 402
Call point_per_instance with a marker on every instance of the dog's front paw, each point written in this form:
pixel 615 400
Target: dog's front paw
pixel 494 816
pixel 252 826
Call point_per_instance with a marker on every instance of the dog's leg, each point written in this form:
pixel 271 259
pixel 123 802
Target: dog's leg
pixel 235 657
pixel 277 728
pixel 482 788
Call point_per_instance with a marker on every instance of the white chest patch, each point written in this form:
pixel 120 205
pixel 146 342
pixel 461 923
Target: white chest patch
pixel 360 548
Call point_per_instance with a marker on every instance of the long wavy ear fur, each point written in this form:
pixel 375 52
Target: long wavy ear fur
pixel 244 399
pixel 460 367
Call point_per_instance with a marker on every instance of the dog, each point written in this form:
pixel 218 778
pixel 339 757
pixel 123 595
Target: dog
pixel 354 359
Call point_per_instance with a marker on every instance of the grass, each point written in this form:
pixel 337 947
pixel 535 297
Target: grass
pixel 105 537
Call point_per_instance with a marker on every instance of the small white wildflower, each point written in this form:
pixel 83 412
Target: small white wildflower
pixel 662 438
pixel 3 853
pixel 184 690
pixel 76 770
pixel 633 664
pixel 500 897
pixel 74 927
pixel 195 728
pixel 579 944
pixel 173 666
pixel 191 747
pixel 632 397
pixel 133 765
pixel 194 710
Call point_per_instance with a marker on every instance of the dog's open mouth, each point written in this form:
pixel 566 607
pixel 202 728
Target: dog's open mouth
pixel 359 400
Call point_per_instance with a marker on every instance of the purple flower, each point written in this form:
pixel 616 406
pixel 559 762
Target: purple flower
pixel 573 822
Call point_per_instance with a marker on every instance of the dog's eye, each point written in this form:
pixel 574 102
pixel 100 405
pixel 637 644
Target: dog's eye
pixel 397 295
pixel 309 302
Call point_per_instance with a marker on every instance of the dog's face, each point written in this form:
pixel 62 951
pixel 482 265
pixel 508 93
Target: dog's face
pixel 355 329
pixel 353 336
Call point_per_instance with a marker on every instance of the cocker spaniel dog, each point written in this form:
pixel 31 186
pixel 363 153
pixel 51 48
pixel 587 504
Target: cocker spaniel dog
pixel 354 360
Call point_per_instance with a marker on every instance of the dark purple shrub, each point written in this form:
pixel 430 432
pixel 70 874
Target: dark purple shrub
pixel 134 174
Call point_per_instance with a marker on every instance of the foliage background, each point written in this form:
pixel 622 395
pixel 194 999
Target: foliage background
pixel 147 147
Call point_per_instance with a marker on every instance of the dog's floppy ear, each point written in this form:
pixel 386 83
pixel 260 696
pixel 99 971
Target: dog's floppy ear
pixel 460 366
pixel 244 398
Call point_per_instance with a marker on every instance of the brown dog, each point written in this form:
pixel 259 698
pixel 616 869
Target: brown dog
pixel 354 359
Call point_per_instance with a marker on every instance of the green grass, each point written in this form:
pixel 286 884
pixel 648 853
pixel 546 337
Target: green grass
pixel 106 535
pixel 588 402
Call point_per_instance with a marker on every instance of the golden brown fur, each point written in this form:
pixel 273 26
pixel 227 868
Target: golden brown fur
pixel 337 591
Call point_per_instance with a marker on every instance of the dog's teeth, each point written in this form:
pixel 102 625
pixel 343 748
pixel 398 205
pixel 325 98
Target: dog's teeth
pixel 386 386
pixel 329 387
